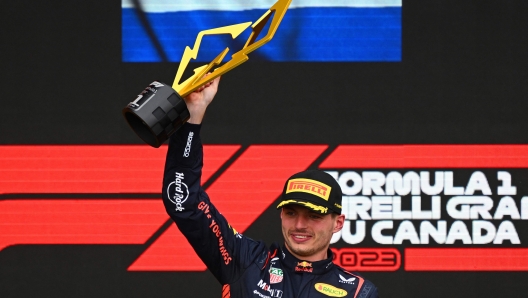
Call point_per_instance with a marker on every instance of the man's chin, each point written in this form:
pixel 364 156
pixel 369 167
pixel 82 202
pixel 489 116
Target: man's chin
pixel 301 250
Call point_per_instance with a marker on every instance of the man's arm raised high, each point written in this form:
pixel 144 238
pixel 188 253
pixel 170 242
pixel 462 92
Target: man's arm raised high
pixel 226 253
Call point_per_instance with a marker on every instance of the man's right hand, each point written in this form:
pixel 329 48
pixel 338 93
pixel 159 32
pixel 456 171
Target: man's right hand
pixel 198 101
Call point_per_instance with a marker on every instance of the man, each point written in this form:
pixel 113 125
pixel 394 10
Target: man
pixel 310 214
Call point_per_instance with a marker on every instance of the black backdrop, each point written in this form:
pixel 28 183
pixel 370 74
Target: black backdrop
pixel 463 79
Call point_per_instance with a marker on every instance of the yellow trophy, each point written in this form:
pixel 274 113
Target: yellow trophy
pixel 160 110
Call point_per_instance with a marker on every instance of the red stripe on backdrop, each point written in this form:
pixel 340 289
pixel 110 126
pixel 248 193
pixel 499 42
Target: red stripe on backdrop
pixel 466 259
pixel 93 168
pixel 242 193
pixel 79 221
pixel 427 156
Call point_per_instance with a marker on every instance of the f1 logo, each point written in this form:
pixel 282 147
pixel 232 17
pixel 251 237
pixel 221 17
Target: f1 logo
pixel 110 173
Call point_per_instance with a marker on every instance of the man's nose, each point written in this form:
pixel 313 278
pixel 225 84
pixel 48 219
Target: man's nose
pixel 301 222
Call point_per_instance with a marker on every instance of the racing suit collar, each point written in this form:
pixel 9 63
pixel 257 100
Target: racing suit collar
pixel 291 263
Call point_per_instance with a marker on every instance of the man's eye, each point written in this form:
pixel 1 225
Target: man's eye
pixel 313 216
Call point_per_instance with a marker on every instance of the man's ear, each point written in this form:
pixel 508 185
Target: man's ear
pixel 340 221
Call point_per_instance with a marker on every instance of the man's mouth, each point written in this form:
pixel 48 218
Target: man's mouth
pixel 299 238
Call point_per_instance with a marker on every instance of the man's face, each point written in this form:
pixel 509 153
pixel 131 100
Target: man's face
pixel 306 233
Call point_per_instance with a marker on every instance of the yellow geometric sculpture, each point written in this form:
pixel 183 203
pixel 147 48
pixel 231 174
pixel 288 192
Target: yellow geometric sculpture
pixel 198 79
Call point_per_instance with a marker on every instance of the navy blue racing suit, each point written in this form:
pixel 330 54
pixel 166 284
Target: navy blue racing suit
pixel 246 268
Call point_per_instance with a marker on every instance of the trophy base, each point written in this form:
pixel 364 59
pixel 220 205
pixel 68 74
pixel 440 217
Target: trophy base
pixel 156 114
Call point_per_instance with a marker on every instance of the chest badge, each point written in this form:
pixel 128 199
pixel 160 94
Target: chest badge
pixel 304 267
pixel 276 275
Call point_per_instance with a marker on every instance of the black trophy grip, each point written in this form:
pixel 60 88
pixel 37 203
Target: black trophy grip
pixel 156 114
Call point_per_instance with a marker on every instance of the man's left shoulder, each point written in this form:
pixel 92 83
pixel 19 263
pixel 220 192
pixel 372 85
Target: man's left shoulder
pixel 355 281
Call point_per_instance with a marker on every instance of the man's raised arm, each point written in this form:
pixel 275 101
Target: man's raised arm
pixel 225 252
